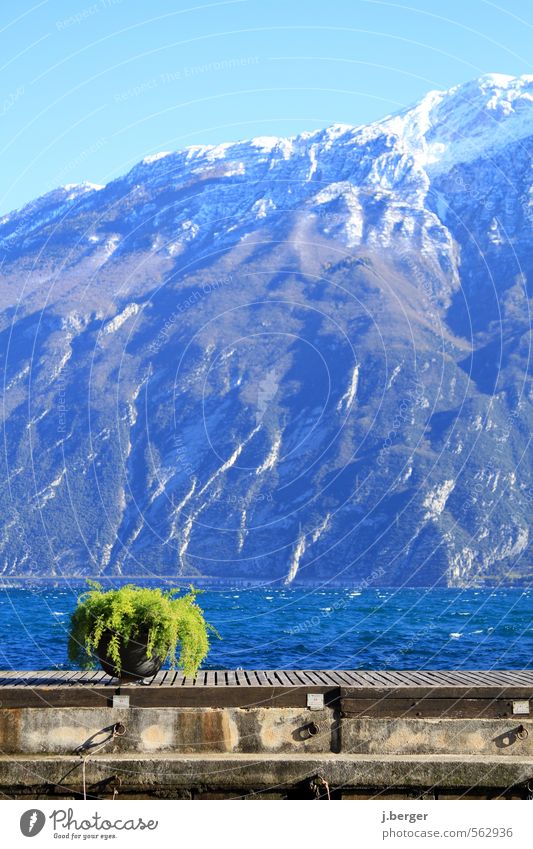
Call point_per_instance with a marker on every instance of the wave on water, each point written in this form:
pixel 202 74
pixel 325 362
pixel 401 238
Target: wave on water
pixel 297 628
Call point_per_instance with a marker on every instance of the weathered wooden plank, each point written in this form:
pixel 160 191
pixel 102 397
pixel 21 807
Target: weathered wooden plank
pixel 261 678
pixel 520 676
pixel 449 678
pixel 475 683
pixel 323 677
pixel 470 679
pixel 9 678
pixel 380 679
pixel 396 706
pixel 6 681
pixel 420 679
pixel 88 677
pixel 494 678
pixel 467 678
pixel 74 675
pixel 416 678
pixel 314 678
pixel 139 696
pixel 13 674
pixel 99 677
pixel 288 679
pixel 73 678
pixel 28 674
pixel 353 676
pixel 395 679
pixel 474 677
pixel 369 678
pixel 449 692
pixel 46 678
pixel 44 697
pixel 10 674
pixel 337 678
pixel 160 678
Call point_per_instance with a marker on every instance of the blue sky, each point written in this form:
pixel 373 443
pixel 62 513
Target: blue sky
pixel 89 88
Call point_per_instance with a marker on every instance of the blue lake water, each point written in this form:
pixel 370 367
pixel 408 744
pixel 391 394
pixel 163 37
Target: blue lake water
pixel 309 628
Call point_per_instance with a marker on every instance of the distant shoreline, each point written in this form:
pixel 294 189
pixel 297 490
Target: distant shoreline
pixel 207 582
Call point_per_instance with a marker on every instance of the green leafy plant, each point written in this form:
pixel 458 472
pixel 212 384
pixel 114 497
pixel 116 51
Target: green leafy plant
pixel 172 624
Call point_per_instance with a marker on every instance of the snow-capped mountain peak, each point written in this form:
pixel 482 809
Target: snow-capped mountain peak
pixel 280 358
pixel 445 127
pixel 467 121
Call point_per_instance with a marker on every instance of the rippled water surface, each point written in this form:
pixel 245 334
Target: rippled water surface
pixel 309 628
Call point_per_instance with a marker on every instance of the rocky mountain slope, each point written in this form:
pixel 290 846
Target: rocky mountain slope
pixel 281 359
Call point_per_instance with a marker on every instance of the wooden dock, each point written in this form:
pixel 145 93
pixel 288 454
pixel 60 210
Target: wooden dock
pixel 489 694
pixel 267 734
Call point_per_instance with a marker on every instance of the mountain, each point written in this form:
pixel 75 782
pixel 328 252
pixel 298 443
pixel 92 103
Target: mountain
pixel 283 359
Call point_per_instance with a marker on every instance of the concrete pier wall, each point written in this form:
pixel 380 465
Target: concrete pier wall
pixel 256 730
pixel 271 752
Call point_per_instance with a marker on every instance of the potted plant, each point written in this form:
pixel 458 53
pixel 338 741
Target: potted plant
pixel 132 630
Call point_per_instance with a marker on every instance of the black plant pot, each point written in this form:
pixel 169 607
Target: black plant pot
pixel 135 663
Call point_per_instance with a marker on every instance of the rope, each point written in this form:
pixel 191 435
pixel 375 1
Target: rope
pixel 319 784
pixel 118 731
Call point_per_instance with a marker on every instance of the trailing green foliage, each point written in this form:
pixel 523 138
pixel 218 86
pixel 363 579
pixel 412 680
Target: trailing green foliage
pixel 169 621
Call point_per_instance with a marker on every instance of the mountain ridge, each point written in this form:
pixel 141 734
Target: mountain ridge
pixel 315 353
pixel 493 82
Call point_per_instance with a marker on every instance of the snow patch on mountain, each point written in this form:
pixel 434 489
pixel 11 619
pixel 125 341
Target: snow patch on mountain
pixel 76 190
pixel 155 157
pixel 117 322
pixel 296 556
pixel 49 491
pixel 272 457
pixel 347 399
pixel 435 500
pixel 466 122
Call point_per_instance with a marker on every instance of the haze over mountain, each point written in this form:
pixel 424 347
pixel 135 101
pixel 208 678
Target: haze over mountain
pixel 281 359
